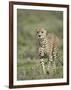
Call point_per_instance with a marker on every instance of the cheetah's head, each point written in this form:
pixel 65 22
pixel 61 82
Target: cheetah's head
pixel 41 33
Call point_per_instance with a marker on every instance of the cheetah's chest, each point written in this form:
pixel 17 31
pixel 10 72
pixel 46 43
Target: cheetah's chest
pixel 45 45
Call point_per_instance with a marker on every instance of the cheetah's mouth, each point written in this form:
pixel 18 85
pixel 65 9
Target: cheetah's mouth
pixel 41 38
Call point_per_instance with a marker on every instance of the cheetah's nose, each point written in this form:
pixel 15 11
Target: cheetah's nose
pixel 39 35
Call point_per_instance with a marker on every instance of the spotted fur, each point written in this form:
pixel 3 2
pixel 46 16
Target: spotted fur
pixel 48 45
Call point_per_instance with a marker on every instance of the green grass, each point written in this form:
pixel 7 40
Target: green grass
pixel 32 69
pixel 28 63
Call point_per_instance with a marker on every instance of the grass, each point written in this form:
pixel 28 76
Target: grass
pixel 28 63
pixel 32 69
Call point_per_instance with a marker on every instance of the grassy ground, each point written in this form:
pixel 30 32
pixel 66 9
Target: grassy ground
pixel 32 69
pixel 28 63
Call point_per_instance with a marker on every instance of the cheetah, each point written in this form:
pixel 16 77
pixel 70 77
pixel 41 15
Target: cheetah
pixel 48 46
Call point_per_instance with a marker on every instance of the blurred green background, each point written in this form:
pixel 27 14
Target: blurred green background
pixel 28 63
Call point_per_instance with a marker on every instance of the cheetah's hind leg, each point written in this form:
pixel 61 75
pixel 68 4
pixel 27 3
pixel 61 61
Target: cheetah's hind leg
pixel 54 59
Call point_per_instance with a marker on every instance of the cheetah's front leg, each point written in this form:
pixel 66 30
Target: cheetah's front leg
pixel 43 66
pixel 50 64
